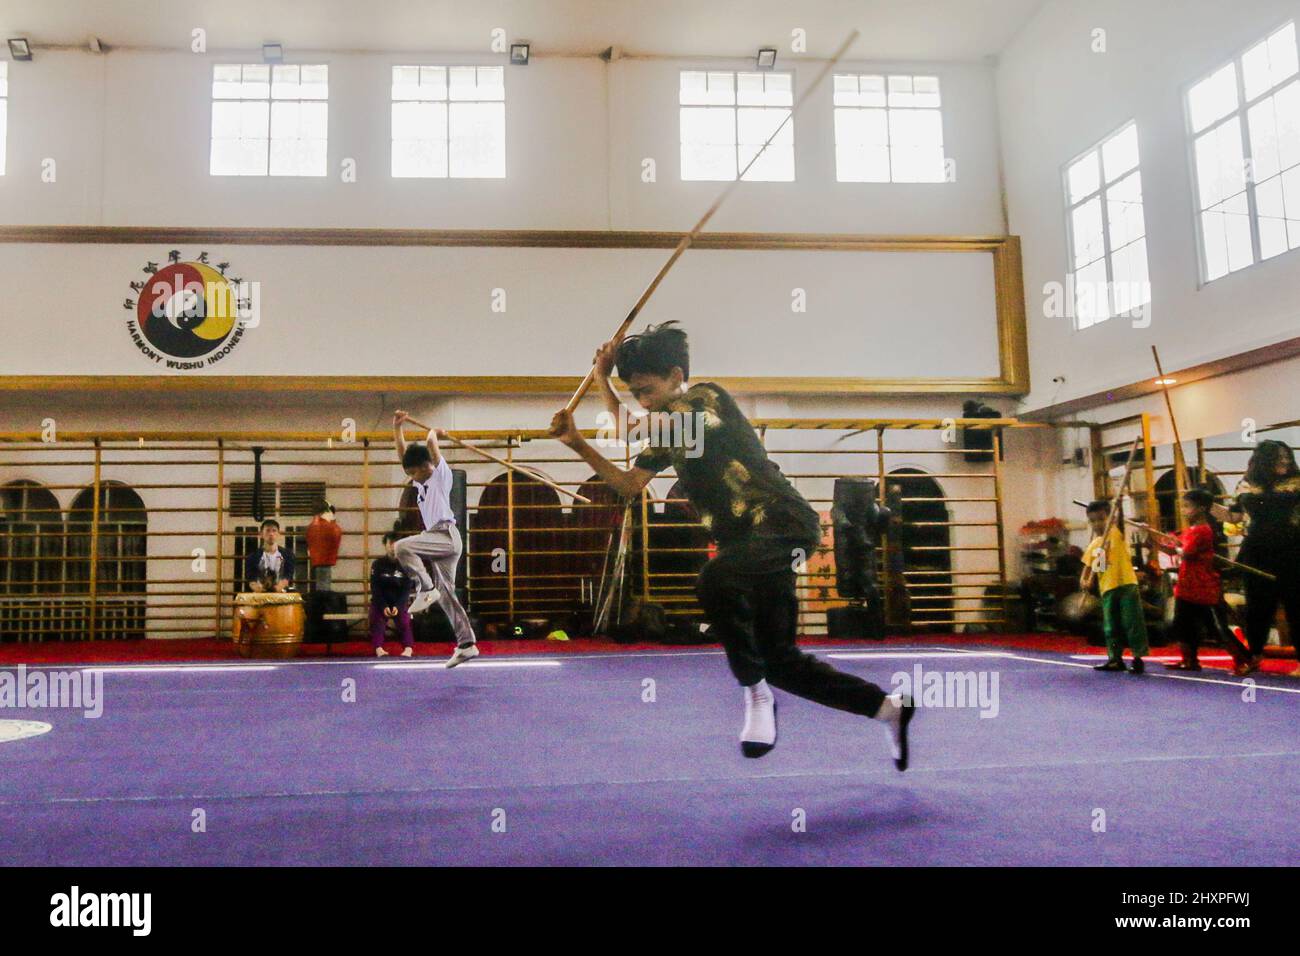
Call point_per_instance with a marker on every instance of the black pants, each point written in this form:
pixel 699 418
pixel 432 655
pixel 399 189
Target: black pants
pixel 748 596
pixel 1191 621
pixel 1262 599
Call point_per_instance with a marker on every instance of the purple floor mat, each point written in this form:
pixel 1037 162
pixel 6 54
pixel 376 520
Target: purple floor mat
pixel 512 761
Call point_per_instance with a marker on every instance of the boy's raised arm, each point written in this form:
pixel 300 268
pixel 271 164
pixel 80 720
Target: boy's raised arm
pixel 603 367
pixel 432 443
pixel 625 482
pixel 399 419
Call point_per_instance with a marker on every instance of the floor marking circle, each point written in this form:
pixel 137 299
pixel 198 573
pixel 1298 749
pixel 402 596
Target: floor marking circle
pixel 11 730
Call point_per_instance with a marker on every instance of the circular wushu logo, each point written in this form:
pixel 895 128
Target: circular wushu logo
pixel 189 314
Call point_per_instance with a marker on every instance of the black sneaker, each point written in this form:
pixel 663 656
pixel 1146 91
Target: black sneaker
pixel 1110 665
pixel 1137 667
pixel 905 718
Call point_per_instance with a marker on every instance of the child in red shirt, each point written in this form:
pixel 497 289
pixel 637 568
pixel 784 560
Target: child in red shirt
pixel 1198 595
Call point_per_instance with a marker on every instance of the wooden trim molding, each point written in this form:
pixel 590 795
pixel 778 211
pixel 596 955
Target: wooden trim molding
pixel 505 435
pixel 1013 361
pixel 469 384
pixel 509 238
pixel 1096 402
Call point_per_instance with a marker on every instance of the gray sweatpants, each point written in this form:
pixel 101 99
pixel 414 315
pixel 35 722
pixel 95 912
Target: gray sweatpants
pixel 442 546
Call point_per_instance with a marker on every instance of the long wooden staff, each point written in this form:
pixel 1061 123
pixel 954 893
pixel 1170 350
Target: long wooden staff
pixel 690 236
pixel 505 464
pixel 1114 509
pixel 1170 537
pixel 1180 461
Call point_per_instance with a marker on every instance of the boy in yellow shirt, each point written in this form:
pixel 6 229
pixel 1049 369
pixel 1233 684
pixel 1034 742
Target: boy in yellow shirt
pixel 1121 606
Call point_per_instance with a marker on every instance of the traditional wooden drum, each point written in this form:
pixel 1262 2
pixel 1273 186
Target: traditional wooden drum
pixel 269 624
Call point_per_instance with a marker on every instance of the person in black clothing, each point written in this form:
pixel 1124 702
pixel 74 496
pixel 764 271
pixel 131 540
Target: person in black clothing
pixel 1269 499
pixel 391 588
pixel 763 528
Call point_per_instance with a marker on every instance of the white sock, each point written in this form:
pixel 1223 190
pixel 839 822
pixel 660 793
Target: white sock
pixel 891 714
pixel 760 719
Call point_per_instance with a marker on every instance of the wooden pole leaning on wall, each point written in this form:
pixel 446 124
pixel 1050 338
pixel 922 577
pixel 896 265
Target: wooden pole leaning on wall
pixel 511 466
pixel 94 540
pixel 886 565
pixel 221 529
pixel 1181 484
pixel 1002 549
pixel 510 536
pixel 365 521
pixel 690 237
pixel 1150 502
pixel 1098 459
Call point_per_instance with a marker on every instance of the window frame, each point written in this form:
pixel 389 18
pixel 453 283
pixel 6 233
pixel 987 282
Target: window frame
pixel 448 102
pixel 1107 252
pixel 270 102
pixel 4 116
pixel 886 75
pixel 735 108
pixel 1243 107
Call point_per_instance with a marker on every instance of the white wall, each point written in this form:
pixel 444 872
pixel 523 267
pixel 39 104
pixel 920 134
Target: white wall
pixel 130 134
pixel 1058 99
pixel 644 123
pixel 330 310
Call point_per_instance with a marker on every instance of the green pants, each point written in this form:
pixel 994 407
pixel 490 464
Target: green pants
pixel 1123 622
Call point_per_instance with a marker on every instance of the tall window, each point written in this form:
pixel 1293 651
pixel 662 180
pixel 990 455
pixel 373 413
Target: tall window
pixel 449 122
pixel 727 117
pixel 269 120
pixel 888 129
pixel 4 111
pixel 1108 246
pixel 1245 125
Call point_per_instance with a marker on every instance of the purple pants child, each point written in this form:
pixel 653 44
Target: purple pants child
pixel 378 622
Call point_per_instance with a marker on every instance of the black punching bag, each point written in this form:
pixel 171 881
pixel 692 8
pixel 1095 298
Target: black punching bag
pixel 857 520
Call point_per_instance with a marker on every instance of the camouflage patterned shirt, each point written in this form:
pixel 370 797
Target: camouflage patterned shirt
pixel 738 491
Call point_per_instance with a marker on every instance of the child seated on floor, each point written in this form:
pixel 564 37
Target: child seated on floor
pixel 391 588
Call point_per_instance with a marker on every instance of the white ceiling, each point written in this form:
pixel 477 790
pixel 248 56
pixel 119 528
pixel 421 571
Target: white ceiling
pixel 891 29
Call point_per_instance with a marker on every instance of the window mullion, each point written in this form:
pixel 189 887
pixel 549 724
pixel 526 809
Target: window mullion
pixel 270 104
pixel 735 119
pixel 889 135
pixel 1105 238
pixel 1252 209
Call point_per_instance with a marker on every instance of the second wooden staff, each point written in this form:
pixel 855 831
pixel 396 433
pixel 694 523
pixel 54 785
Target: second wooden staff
pixel 526 472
